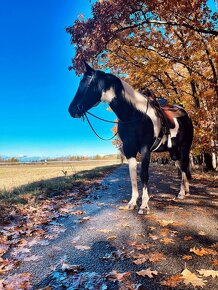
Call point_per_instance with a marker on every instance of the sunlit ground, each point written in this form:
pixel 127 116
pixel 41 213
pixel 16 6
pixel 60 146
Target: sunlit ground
pixel 12 176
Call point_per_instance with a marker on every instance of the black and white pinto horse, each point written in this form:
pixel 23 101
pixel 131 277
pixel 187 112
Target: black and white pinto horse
pixel 139 126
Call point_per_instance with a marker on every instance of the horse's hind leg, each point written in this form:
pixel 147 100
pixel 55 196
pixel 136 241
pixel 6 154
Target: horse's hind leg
pixel 185 172
pixel 133 176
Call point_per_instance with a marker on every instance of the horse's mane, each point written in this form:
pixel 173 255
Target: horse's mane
pixel 137 99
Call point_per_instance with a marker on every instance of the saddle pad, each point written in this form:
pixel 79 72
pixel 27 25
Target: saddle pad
pixel 172 112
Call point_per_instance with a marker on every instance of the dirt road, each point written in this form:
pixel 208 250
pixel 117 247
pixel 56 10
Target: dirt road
pixel 104 246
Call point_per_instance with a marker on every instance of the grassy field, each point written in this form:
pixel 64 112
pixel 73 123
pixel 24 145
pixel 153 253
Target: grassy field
pixel 13 176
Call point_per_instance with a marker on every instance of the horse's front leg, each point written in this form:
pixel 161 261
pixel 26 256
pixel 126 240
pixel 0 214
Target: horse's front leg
pixel 144 208
pixel 133 176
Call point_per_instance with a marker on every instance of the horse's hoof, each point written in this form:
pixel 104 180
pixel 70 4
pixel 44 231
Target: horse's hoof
pixel 180 196
pixel 187 194
pixel 131 206
pixel 143 211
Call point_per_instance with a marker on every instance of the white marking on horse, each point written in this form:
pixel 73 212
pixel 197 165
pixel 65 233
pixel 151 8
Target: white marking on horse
pixel 184 188
pixel 174 131
pixel 108 96
pixel 145 199
pixel 140 102
pixel 133 176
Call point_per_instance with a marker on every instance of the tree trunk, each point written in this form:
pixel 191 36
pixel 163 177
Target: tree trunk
pixel 208 161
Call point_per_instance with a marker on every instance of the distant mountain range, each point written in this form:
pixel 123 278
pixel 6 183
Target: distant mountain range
pixel 24 158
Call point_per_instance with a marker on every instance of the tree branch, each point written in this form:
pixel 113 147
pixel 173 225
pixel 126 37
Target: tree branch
pixel 170 23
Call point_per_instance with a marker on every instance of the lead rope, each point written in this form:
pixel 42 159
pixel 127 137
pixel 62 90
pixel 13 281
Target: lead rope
pixel 104 139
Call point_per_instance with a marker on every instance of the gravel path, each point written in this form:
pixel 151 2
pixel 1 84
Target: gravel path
pixel 106 237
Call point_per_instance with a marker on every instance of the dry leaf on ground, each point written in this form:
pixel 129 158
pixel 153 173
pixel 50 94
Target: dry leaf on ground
pixel 72 268
pixel 148 272
pixel 17 281
pixel 82 248
pixel 78 212
pixel 111 238
pixel 126 207
pixel 215 262
pixel 207 273
pixel 32 258
pixel 141 246
pixel 203 251
pixel 187 238
pixel 152 257
pixel 104 231
pixel 187 257
pixel 165 223
pixel 153 237
pixel 167 241
pixel 202 233
pixel 190 278
pixel 156 257
pixel 172 281
pixel 114 275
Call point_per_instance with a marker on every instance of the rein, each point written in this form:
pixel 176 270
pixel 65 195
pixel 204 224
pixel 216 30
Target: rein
pixel 104 139
pixel 113 122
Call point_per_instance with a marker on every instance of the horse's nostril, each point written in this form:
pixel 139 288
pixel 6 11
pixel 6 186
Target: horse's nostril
pixel 80 107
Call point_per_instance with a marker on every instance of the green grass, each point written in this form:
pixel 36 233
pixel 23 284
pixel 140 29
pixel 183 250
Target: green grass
pixel 51 187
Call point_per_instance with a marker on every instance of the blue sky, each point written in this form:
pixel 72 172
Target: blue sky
pixel 36 87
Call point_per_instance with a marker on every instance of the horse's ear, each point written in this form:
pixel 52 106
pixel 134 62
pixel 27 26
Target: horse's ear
pixel 89 69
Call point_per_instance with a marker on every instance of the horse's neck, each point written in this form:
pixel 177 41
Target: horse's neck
pixel 141 104
pixel 124 110
pixel 137 100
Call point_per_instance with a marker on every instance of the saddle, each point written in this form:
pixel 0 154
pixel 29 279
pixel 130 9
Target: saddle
pixel 167 113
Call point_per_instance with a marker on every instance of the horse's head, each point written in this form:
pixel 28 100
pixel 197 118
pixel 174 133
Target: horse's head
pixel 89 92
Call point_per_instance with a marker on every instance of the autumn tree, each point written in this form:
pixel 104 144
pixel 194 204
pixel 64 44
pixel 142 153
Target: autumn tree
pixel 166 46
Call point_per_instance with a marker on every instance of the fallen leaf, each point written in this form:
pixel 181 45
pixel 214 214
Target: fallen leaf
pixel 167 241
pixel 207 273
pixel 104 231
pixel 17 281
pixel 190 278
pixel 6 265
pixel 165 223
pixel 115 255
pixel 32 258
pixel 111 238
pixel 68 267
pixel 148 272
pixel 202 233
pixel 156 257
pixel 215 262
pixel 172 281
pixel 153 237
pixel 152 257
pixel 78 212
pixel 141 246
pixel 215 245
pixel 139 236
pixel 126 207
pixel 82 248
pixel 82 220
pixel 75 240
pixel 114 275
pixel 165 232
pixel 187 257
pixel 187 238
pixel 125 201
pixel 129 285
pixel 203 251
